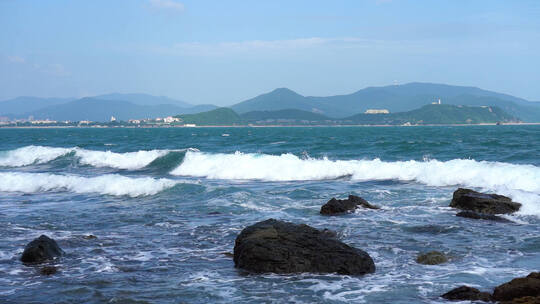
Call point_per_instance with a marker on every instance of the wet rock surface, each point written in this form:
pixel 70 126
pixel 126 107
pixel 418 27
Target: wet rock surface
pixel 528 286
pixel 466 293
pixel 40 250
pixel 432 258
pixel 282 247
pixel 482 216
pixel 337 206
pixel 466 199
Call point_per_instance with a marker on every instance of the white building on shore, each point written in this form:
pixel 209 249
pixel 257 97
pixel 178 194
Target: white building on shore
pixel 377 111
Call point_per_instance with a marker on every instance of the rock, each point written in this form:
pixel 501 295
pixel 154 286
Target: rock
pixel 228 254
pixel 432 258
pixel 523 300
pixel 40 250
pixel 282 247
pixel 482 216
pixel 467 199
pixel 464 293
pixel 518 288
pixel 335 206
pixel 48 270
pixel 90 237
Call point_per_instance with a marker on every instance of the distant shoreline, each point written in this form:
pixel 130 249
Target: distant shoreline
pixel 265 126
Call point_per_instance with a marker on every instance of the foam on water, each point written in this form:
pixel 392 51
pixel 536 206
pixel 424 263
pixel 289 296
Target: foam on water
pixel 40 154
pixel 521 182
pixel 31 155
pixel 127 160
pixel 109 184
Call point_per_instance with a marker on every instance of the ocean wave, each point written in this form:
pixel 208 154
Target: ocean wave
pixel 521 182
pixel 30 155
pixel 109 184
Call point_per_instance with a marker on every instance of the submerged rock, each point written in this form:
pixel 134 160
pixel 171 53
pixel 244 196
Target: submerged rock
pixel 40 250
pixel 283 247
pixel 48 270
pixel 335 206
pixel 482 216
pixel 432 258
pixel 528 286
pixel 466 293
pixel 467 199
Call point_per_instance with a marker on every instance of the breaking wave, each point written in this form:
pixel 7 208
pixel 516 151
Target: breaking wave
pixel 110 184
pixel 30 155
pixel 522 182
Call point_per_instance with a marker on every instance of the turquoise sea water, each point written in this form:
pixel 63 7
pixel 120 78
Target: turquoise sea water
pixel 166 204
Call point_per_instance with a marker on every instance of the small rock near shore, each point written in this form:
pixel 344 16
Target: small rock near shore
pixel 48 270
pixel 282 247
pixel 471 200
pixel 40 250
pixel 466 293
pixel 482 216
pixel 432 258
pixel 336 206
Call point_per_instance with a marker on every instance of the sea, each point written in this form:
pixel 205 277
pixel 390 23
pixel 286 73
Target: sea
pixel 150 215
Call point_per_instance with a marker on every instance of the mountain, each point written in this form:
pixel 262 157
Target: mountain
pixel 288 114
pixel 144 99
pixel 125 106
pixel 395 98
pixel 438 114
pixel 278 99
pixel 101 110
pixel 219 116
pixel 24 104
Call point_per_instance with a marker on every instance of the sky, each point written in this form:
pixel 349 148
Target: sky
pixel 223 52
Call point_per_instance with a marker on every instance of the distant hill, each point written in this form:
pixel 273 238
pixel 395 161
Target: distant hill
pixel 278 99
pixel 395 98
pixel 291 114
pixel 122 106
pixel 144 99
pixel 438 114
pixel 219 116
pixel 101 110
pixel 24 104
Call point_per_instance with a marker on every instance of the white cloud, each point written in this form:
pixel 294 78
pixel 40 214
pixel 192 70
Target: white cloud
pixel 167 5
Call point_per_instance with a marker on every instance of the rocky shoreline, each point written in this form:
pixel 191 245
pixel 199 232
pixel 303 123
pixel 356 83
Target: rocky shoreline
pixel 275 246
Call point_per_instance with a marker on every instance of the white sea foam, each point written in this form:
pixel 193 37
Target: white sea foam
pixel 40 154
pixel 127 160
pixel 31 155
pixel 521 182
pixel 110 184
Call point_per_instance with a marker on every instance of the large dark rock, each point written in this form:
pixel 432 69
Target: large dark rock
pixel 482 216
pixel 41 250
pixel 282 247
pixel 466 293
pixel 467 199
pixel 432 258
pixel 523 300
pixel 518 288
pixel 335 206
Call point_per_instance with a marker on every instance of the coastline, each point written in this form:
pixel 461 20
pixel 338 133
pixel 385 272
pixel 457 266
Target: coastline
pixel 266 126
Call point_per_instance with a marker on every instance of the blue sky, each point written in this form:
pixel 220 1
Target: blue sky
pixel 223 52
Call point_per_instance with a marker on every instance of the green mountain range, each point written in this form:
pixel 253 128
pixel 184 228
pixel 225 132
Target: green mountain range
pixel 219 116
pixel 432 114
pixel 395 98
